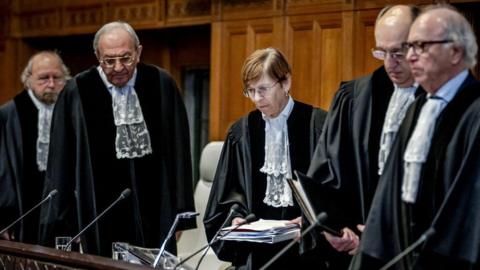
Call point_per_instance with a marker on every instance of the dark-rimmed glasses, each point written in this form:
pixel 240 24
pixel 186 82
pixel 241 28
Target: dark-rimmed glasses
pixel 261 90
pixel 395 54
pixel 110 62
pixel 420 47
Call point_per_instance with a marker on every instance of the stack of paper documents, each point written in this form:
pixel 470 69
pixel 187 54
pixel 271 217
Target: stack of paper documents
pixel 262 231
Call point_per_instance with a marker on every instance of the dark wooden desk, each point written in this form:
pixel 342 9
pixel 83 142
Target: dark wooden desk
pixel 14 255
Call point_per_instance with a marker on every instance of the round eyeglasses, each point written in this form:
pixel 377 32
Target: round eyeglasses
pixel 261 90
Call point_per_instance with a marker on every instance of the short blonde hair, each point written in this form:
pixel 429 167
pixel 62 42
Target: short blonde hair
pixel 268 61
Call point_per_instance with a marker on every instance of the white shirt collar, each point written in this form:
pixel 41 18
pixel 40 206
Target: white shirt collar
pixel 448 91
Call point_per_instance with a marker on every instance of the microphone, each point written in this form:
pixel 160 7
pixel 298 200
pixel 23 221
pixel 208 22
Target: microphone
pixel 49 196
pixel 125 193
pixel 215 238
pixel 427 234
pixel 179 216
pixel 319 219
pixel 251 217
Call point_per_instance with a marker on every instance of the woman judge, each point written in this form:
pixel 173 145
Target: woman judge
pixel 261 151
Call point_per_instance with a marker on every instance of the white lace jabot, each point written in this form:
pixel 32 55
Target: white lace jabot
pixel 43 136
pixel 397 108
pixel 277 165
pixel 132 138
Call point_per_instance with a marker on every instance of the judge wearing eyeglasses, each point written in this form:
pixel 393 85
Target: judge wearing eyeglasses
pixel 24 142
pixel 261 151
pixel 121 124
pixel 361 127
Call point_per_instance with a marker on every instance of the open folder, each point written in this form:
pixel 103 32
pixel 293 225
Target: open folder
pixel 301 196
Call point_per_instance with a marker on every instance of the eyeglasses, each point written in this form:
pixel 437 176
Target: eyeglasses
pixel 420 47
pixel 46 79
pixel 110 62
pixel 261 90
pixel 395 54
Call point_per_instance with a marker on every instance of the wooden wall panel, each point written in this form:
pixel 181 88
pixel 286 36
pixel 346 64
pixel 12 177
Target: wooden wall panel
pixel 364 36
pixel 235 41
pixel 315 51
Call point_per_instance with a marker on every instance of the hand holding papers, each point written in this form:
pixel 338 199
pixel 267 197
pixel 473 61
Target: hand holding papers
pixel 262 231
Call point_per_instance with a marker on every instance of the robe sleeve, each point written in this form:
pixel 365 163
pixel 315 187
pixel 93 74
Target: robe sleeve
pixel 178 145
pixel 58 216
pixel 457 223
pixel 226 191
pixel 9 123
pixel 332 155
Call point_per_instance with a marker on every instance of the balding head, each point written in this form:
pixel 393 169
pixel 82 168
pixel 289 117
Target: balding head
pixel 442 45
pixel 391 31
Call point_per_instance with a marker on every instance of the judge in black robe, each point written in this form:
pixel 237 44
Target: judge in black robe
pixel 386 231
pixel 345 168
pixel 83 165
pixel 395 223
pixel 238 179
pixel 21 178
pixel 351 138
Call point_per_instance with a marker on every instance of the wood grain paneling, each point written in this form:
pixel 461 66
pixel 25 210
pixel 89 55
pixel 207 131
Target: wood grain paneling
pixel 315 52
pixel 235 41
pixel 364 36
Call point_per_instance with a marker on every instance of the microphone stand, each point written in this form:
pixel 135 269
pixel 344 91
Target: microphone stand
pixel 122 196
pixel 216 238
pixel 49 196
pixel 320 219
pixel 410 248
pixel 171 232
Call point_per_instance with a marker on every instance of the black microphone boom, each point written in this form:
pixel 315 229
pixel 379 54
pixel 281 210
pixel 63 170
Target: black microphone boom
pixel 320 219
pixel 410 248
pixel 49 196
pixel 125 193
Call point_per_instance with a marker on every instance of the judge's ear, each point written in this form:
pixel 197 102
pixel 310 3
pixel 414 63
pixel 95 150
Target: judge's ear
pixel 287 83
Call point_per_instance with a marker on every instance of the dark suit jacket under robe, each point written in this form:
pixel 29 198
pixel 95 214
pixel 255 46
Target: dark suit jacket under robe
pixel 84 168
pixel 21 183
pixel 238 180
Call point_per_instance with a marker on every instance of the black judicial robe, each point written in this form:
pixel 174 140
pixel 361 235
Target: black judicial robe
pixel 393 225
pixel 21 183
pixel 238 180
pixel 84 168
pixel 456 243
pixel 345 164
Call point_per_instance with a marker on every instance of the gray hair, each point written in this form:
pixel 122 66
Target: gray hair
pixel 458 29
pixel 111 26
pixel 27 71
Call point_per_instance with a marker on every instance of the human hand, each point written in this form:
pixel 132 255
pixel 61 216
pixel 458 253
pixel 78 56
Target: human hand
pixel 178 234
pixel 297 221
pixel 347 243
pixel 6 236
pixel 238 220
